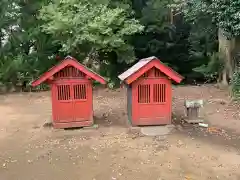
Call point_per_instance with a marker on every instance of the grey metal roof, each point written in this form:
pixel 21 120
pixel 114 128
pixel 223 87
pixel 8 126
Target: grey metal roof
pixel 135 67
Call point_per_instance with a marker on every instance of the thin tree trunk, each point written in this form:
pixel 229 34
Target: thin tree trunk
pixel 225 51
pixel 171 16
pixel 224 80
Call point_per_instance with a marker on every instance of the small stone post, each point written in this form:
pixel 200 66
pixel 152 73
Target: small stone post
pixel 193 110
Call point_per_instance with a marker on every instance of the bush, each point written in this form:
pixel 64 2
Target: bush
pixel 235 85
pixel 211 70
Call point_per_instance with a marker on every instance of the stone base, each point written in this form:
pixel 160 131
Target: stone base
pixel 72 124
pixel 196 121
pixel 157 130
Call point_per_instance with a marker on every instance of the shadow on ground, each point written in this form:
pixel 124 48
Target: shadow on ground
pixel 211 135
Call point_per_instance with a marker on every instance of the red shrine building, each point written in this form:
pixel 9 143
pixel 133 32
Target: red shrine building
pixel 149 92
pixel 72 94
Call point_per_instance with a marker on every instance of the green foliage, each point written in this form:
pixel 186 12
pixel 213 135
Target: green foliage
pixel 13 70
pixel 25 50
pixel 114 33
pixel 203 47
pixel 235 85
pixel 82 25
pixel 225 14
pixel 203 34
pixel 212 69
pixel 161 38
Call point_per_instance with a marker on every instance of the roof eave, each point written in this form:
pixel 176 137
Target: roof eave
pixel 162 67
pixel 68 61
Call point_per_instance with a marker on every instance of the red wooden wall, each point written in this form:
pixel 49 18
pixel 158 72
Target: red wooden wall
pixel 71 99
pixel 151 99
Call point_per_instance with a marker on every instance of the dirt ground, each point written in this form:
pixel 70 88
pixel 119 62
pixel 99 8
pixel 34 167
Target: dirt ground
pixel 115 151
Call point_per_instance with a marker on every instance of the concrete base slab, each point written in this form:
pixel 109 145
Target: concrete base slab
pixel 157 130
pixel 194 121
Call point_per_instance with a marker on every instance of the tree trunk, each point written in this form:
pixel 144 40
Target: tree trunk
pixel 224 80
pixel 236 55
pixel 171 16
pixel 226 47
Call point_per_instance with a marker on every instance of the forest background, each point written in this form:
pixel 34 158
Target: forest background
pixel 197 38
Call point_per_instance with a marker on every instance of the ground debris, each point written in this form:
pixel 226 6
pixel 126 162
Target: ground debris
pixel 203 125
pixel 4 165
pixel 214 130
pixel 170 156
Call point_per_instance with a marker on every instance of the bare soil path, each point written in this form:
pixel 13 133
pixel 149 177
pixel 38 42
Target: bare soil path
pixel 28 151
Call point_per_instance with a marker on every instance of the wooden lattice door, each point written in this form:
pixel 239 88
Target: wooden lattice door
pixel 62 104
pixel 152 101
pixel 73 101
pixel 82 101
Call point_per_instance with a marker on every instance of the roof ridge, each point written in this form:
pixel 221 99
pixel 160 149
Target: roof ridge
pixel 144 62
pixel 149 58
pixel 69 57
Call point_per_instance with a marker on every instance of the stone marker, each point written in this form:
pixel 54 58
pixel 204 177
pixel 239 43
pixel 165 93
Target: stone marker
pixel 192 111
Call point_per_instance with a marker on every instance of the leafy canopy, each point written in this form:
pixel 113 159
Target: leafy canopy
pixel 83 25
pixel 225 14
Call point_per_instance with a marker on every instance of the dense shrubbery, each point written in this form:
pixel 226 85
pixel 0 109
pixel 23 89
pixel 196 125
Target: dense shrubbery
pixel 212 69
pixel 236 85
pixel 113 34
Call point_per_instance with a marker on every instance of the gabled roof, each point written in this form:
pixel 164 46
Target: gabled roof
pixel 146 64
pixel 68 61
